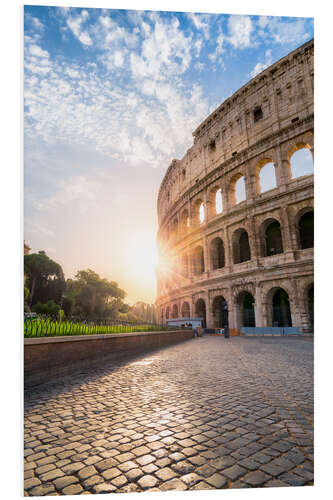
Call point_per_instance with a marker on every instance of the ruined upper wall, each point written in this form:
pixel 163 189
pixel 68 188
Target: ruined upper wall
pixel 279 95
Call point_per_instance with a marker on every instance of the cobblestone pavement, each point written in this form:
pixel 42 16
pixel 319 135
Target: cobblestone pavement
pixel 209 413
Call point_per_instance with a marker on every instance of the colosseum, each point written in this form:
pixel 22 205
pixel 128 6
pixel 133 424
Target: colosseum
pixel 235 214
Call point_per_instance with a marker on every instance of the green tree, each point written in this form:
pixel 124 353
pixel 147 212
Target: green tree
pixel 49 309
pixel 45 278
pixel 95 296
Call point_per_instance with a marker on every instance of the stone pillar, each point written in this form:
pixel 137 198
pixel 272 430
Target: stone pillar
pixel 209 316
pixel 287 235
pixel 250 184
pixel 232 310
pixel 253 241
pixel 282 169
pixel 228 246
pixel 206 255
pixel 296 317
pixel 227 255
pixel 259 308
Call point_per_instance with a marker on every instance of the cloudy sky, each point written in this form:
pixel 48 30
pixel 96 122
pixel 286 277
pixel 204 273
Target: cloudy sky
pixel 111 97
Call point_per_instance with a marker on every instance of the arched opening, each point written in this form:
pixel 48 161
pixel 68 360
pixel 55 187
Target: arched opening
pixel 272 238
pixel 241 246
pixel 281 309
pixel 237 190
pixel 240 191
pixel 245 310
pixel 184 222
pixel 186 310
pixel 301 162
pixel 220 312
pixel 215 201
pixel 310 299
pixel 198 260
pixel 162 317
pixel 306 230
pixel 217 253
pixel 218 201
pixel 198 213
pixel 167 313
pixel 200 311
pixel 175 228
pixel 266 178
pixel 175 311
pixel 202 213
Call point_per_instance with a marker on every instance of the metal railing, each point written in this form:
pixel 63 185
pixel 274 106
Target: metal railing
pixel 48 326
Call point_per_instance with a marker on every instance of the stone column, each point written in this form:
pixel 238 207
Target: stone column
pixel 287 235
pixel 206 256
pixel 209 316
pixel 250 184
pixel 259 308
pixel 232 312
pixel 296 317
pixel 282 169
pixel 227 255
pixel 254 242
pixel 228 246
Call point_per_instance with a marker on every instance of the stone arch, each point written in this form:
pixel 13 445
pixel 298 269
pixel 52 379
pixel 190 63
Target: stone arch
pixel 240 246
pixel 215 201
pixel 174 227
pixel 198 260
pixel 266 175
pixel 305 226
pixel 245 314
pixel 234 199
pixel 220 312
pixel 217 256
pixel 200 310
pixel 300 160
pixel 175 311
pixel 279 310
pixel 270 237
pixel 185 310
pixel 197 212
pixel 184 221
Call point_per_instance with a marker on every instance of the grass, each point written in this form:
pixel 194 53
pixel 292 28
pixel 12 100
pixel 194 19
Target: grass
pixel 48 328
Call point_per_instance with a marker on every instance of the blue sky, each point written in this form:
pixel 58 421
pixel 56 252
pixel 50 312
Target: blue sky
pixel 111 97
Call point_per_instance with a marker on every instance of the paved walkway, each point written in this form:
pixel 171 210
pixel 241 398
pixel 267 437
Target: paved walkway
pixel 206 414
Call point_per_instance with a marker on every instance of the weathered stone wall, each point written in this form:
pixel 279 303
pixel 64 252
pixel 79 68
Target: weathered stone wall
pixel 49 357
pixel 232 142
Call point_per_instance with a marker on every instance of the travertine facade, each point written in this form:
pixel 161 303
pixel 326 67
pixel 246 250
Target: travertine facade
pixel 250 263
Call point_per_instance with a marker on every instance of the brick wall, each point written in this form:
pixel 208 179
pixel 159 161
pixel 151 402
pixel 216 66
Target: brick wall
pixel 47 358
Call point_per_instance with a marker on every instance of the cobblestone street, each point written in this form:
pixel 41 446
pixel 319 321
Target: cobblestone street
pixel 209 413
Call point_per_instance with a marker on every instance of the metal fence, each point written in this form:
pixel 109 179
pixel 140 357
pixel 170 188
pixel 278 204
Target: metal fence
pixel 46 326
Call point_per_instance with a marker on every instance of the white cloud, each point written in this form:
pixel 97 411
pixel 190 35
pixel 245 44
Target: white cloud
pixel 219 48
pixel 75 25
pixel 240 29
pixel 260 66
pixel 78 105
pixel 35 50
pixel 201 22
pixel 263 21
pixel 283 30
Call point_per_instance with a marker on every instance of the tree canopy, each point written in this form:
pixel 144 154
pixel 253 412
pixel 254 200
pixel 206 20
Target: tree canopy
pixel 45 278
pixel 93 295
